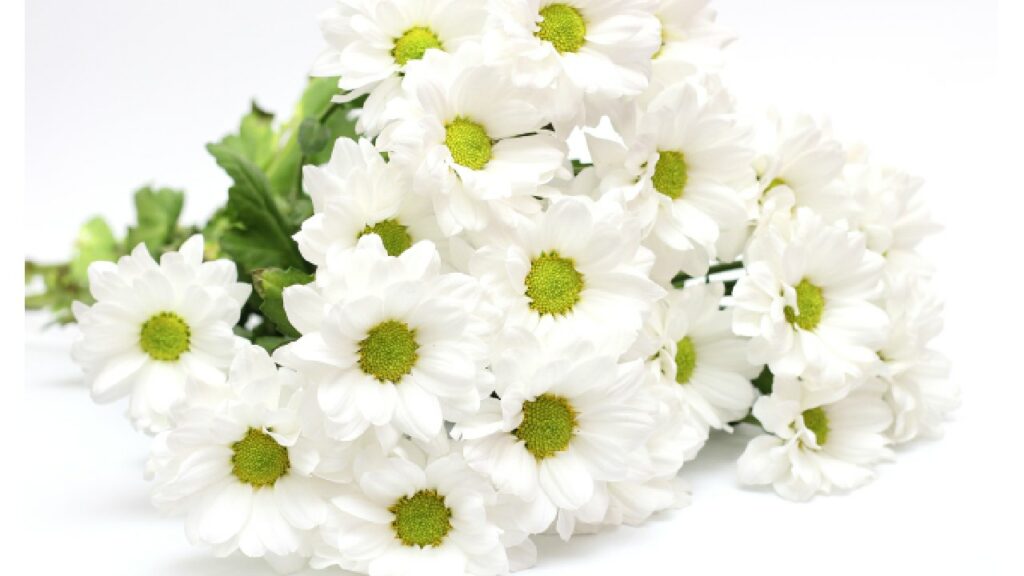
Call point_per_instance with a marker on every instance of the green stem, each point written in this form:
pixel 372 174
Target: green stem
pixel 724 267
pixel 681 278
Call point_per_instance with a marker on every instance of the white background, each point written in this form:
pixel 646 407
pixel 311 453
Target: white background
pixel 121 93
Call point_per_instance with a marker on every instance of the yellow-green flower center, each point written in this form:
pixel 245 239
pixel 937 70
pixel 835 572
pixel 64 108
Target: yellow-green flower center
pixel 810 305
pixel 165 337
pixel 389 351
pixel 686 360
pixel 468 142
pixel 553 284
pixel 414 43
pixel 549 423
pixel 422 519
pixel 394 235
pixel 258 459
pixel 670 174
pixel 816 421
pixel 563 26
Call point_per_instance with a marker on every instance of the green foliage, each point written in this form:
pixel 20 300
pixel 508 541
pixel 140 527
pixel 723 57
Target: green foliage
pixel 54 287
pixel 256 139
pixel 259 236
pixel 764 381
pixel 265 208
pixel 95 242
pixel 269 285
pixel 579 166
pixel 313 137
pixel 157 213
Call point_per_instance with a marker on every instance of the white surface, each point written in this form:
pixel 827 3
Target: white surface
pixel 126 92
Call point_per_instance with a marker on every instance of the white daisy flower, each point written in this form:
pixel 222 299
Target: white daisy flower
pixel 241 470
pixel 576 271
pixel 388 341
pixel 567 421
pixel 680 168
pixel 807 301
pixel 816 441
pixel 651 484
pixel 690 38
pixel 801 164
pixel 691 351
pixel 628 502
pixel 155 326
pixel 474 143
pixel 891 208
pixel 406 518
pixel 359 193
pixel 599 48
pixel 370 43
pixel 920 392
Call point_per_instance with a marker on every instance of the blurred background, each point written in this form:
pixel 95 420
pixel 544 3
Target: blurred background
pixel 123 93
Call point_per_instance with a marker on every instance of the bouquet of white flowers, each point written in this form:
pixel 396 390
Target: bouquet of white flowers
pixel 503 272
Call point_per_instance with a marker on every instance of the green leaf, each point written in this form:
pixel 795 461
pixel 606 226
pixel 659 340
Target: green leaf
pixel 579 166
pixel 269 285
pixel 316 104
pixel 157 213
pixel 271 343
pixel 95 242
pixel 256 140
pixel 313 136
pixel 259 236
pixel 764 381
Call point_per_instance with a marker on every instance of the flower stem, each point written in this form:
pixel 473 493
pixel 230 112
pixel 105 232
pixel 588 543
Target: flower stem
pixel 681 278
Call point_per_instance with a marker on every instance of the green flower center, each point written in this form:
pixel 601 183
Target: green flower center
pixel 258 459
pixel 810 303
pixel 563 26
pixel 414 43
pixel 670 174
pixel 686 360
pixel 549 423
pixel 165 337
pixel 816 421
pixel 468 142
pixel 389 351
pixel 553 284
pixel 393 235
pixel 422 519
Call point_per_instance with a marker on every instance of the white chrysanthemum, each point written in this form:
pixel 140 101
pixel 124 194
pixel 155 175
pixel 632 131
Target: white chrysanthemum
pixel 691 351
pixel 474 143
pixel 568 420
pixel 890 207
pixel 371 42
pixel 155 326
pixel 817 441
pixel 628 502
pixel 651 484
pixel 359 193
pixel 807 301
pixel 241 470
pixel 596 48
pixel 801 164
pixel 404 518
pixel 690 40
pixel 681 167
pixel 389 341
pixel 920 392
pixel 576 271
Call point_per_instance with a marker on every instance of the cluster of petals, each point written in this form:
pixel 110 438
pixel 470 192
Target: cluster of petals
pixel 509 334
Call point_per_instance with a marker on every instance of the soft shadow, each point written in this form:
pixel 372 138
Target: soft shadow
pixel 720 453
pixel 201 563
